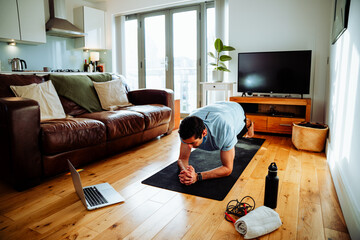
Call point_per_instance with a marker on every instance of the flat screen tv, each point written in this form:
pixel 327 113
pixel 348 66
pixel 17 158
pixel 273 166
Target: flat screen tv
pixel 285 72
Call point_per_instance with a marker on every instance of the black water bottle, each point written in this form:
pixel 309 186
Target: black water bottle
pixel 271 187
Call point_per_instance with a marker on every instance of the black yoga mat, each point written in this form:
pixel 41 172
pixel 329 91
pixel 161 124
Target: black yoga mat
pixel 202 160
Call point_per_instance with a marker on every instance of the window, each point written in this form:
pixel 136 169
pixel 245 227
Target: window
pixel 131 53
pixel 185 52
pixel 163 50
pixel 210 36
pixel 155 51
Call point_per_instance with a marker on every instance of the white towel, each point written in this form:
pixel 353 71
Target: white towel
pixel 258 222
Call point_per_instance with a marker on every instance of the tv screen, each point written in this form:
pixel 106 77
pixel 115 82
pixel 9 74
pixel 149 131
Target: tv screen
pixel 286 72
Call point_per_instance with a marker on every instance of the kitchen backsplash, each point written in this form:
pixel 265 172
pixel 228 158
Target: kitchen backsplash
pixel 56 53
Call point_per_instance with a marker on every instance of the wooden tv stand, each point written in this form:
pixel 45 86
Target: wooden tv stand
pixel 275 114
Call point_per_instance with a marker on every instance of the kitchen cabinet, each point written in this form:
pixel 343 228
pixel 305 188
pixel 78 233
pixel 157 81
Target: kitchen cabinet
pixel 92 22
pixel 9 21
pixel 22 21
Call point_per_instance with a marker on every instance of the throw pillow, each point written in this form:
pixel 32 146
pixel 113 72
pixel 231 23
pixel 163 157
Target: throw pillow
pixel 17 80
pixel 111 94
pixel 46 95
pixel 123 80
pixel 77 88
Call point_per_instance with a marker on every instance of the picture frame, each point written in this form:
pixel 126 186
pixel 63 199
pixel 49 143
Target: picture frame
pixel 341 16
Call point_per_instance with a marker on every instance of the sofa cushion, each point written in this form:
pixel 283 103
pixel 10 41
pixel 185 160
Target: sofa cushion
pixel 112 94
pixel 78 88
pixel 17 80
pixel 61 135
pixel 119 123
pixel 154 114
pixel 47 97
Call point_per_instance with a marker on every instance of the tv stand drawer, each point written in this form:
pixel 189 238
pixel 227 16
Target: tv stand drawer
pixel 282 125
pixel 259 110
pixel 260 122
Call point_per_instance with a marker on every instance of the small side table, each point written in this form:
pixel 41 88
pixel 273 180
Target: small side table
pixel 227 87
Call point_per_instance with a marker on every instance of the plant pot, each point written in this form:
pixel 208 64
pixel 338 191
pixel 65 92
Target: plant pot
pixel 309 136
pixel 217 76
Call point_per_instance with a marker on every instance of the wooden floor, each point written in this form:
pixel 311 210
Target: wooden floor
pixel 307 204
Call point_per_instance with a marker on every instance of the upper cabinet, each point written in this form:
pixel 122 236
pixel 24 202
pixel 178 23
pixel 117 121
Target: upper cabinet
pixel 9 21
pixel 92 21
pixel 22 21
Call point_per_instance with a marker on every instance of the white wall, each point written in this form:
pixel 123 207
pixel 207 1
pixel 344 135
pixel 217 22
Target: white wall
pixel 264 25
pixel 343 117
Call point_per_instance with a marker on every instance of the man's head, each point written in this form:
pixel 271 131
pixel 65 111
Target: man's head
pixel 192 130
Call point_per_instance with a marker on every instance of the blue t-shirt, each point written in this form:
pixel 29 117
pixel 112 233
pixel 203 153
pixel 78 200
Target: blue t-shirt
pixel 224 121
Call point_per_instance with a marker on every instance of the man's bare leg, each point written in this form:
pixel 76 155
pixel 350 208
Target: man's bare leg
pixel 250 128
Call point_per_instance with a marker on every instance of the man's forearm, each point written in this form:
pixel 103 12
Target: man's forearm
pixel 183 160
pixel 182 164
pixel 216 173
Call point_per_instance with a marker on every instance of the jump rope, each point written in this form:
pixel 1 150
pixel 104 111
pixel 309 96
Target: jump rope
pixel 238 208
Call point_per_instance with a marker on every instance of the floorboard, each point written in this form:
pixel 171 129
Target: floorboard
pixel 307 201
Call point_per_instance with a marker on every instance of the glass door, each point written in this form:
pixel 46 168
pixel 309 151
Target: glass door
pixel 131 53
pixel 186 53
pixel 155 59
pixel 169 43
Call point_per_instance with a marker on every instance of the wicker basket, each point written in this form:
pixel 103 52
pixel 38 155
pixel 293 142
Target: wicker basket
pixel 309 138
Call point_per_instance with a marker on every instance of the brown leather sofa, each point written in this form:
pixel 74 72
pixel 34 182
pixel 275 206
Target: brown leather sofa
pixel 32 150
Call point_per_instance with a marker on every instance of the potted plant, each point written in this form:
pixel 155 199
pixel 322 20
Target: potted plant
pixel 220 58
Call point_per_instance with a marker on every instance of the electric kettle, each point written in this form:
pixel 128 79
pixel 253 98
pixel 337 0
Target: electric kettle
pixel 18 65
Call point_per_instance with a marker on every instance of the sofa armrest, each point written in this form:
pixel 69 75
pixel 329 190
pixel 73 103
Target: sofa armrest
pixel 19 142
pixel 155 96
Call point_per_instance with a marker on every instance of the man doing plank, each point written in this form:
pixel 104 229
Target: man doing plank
pixel 213 127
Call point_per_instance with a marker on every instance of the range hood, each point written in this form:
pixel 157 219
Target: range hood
pixel 58 25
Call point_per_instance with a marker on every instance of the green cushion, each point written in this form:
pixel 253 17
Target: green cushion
pixel 78 88
pixel 100 77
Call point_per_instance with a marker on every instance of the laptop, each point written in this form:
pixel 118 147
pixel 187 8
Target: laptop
pixel 95 196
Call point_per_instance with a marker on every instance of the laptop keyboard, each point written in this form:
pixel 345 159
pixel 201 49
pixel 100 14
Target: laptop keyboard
pixel 93 196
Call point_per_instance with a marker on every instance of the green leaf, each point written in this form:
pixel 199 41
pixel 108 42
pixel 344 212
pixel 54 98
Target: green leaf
pixel 213 64
pixel 222 64
pixel 211 55
pixel 225 58
pixel 218 45
pixel 223 69
pixel 228 48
